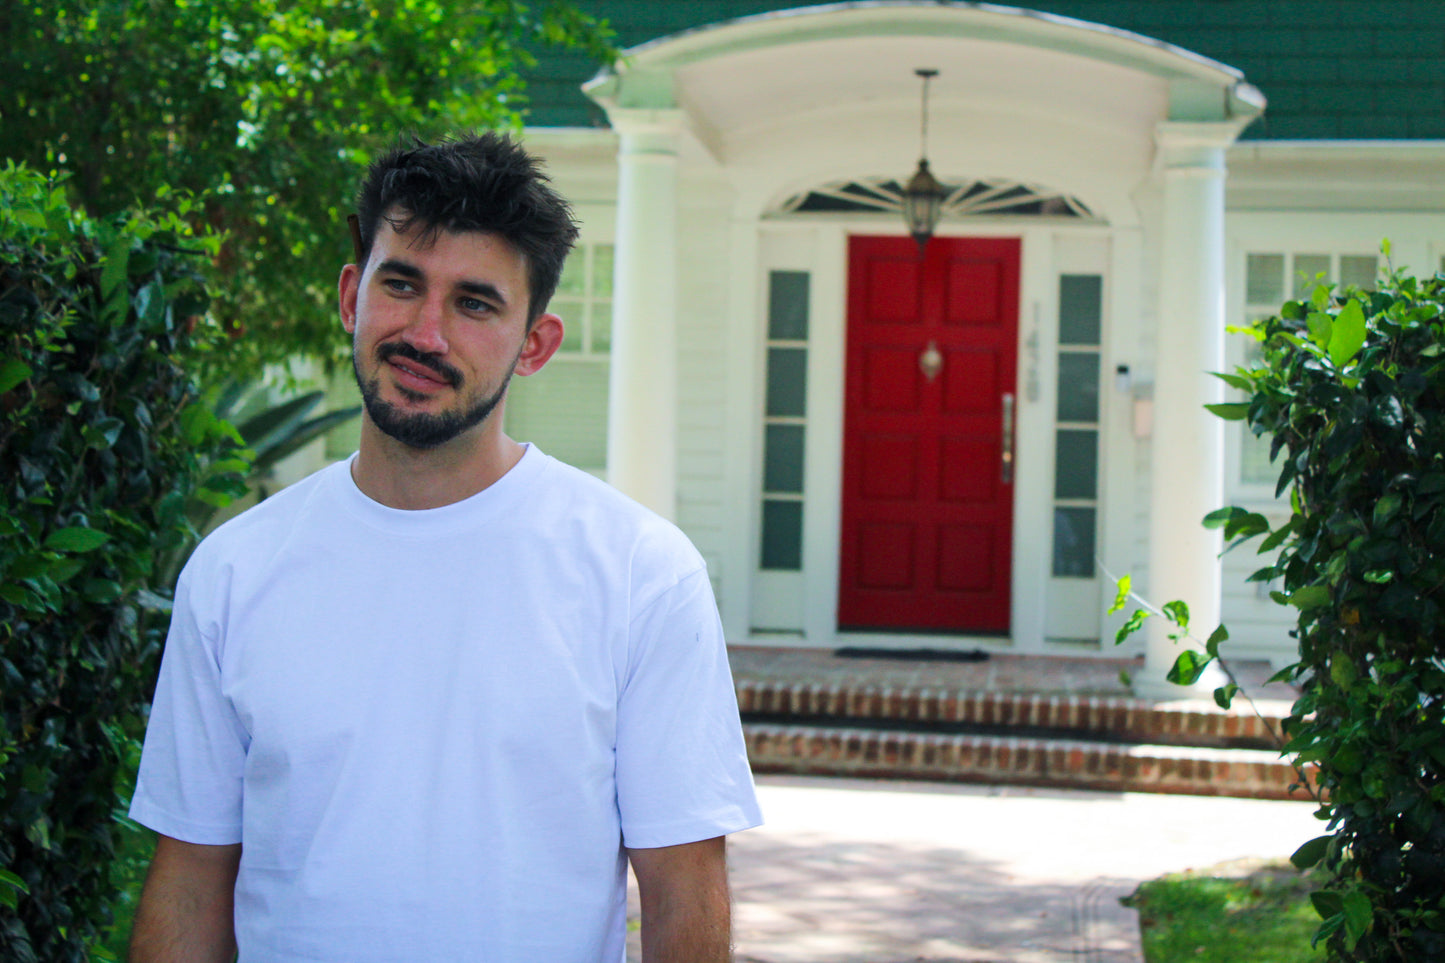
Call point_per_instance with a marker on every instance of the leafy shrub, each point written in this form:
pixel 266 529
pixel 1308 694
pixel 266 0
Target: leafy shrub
pixel 101 444
pixel 1351 390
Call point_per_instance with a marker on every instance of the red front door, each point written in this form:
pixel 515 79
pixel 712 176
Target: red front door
pixel 927 490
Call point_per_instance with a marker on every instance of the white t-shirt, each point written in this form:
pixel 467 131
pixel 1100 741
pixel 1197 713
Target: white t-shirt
pixel 433 731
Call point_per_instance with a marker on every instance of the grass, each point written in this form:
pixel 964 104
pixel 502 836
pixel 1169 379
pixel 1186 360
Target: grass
pixel 1215 917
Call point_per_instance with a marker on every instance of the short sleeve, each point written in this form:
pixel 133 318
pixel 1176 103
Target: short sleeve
pixel 682 768
pixel 189 784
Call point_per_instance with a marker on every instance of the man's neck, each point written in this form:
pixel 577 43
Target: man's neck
pixel 413 479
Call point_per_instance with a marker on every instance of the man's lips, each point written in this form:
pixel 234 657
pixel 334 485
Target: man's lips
pixel 417 371
pixel 425 369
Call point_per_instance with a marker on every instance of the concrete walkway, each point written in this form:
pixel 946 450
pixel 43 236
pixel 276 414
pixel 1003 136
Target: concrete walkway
pixel 854 871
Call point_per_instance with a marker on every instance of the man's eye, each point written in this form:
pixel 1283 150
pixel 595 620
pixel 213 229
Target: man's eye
pixel 475 304
pixel 397 284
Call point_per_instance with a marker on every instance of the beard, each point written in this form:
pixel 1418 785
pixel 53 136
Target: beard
pixel 423 430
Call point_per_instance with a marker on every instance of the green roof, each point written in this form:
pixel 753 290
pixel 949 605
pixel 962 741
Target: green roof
pixel 1331 69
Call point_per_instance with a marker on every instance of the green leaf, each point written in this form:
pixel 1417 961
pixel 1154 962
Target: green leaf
pixel 1359 914
pixel 1310 597
pixel 12 373
pixel 1379 576
pixel 1348 335
pixel 1211 646
pixel 9 879
pixel 1220 517
pixel 1121 597
pixel 113 270
pixel 1177 612
pixel 1131 626
pixel 1327 903
pixel 1321 326
pixel 1387 507
pixel 1276 538
pixel 197 422
pixel 64 569
pixel 1224 695
pixel 1188 667
pixel 102 590
pixel 76 539
pixel 1308 855
pixel 1234 380
pixel 1230 411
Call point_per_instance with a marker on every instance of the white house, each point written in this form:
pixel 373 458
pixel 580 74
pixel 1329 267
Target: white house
pixel 880 446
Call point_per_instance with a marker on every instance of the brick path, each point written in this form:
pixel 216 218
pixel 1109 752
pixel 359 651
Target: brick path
pixel 855 871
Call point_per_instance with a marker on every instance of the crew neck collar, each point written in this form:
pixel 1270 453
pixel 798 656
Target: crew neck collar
pixel 496 500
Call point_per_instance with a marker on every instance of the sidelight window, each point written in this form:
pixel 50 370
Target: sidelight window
pixel 1076 437
pixel 785 421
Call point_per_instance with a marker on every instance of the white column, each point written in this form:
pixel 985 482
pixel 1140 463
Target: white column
pixel 642 408
pixel 1187 457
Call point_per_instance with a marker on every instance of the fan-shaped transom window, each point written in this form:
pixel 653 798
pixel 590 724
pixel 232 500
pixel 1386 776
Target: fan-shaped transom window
pixel 988 196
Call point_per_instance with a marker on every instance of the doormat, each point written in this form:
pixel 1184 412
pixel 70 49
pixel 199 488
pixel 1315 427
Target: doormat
pixel 912 655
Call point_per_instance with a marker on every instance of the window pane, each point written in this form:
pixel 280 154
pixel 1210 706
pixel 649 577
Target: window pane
pixel 574 275
pixel 787 381
pixel 1076 465
pixel 1074 542
pixel 602 271
pixel 602 326
pixel 788 305
pixel 783 459
pixel 1078 386
pixel 571 313
pixel 1264 279
pixel 1081 306
pixel 1306 267
pixel 1358 271
pixel 783 535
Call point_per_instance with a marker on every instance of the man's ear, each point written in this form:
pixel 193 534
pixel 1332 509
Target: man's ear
pixel 346 289
pixel 542 342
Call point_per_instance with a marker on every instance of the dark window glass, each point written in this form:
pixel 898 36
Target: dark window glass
pixel 783 459
pixel 1074 542
pixel 783 535
pixel 1076 465
pixel 787 382
pixel 788 305
pixel 1081 308
pixel 1078 386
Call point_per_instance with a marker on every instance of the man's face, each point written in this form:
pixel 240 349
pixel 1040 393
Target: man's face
pixel 438 330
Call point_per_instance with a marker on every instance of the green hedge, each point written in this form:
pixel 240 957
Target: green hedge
pixel 1351 392
pixel 101 443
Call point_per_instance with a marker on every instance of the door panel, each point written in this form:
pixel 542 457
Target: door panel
pixel 927 513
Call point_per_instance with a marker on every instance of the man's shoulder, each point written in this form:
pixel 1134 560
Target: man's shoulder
pixel 608 520
pixel 266 521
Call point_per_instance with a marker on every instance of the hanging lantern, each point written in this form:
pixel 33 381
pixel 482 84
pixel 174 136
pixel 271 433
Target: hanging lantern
pixel 922 204
pixel 923 196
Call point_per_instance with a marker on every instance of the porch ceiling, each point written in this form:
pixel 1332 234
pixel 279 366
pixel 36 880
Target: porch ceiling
pixel 747 78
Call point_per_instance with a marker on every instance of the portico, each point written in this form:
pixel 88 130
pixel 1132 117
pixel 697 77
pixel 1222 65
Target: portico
pixel 751 157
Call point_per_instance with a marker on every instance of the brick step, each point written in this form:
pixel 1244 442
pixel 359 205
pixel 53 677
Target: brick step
pixel 995 759
pixel 961 712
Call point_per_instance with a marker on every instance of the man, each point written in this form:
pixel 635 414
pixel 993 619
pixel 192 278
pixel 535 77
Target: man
pixel 424 705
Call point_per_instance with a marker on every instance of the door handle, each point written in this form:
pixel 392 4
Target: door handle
pixel 1008 438
pixel 930 362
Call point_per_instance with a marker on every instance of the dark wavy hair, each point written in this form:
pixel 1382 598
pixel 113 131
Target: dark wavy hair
pixel 479 182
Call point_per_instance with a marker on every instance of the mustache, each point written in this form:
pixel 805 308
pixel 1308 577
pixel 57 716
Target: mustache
pixel 431 362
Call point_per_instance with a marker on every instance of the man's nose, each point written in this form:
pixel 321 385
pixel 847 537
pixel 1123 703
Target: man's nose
pixel 427 330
